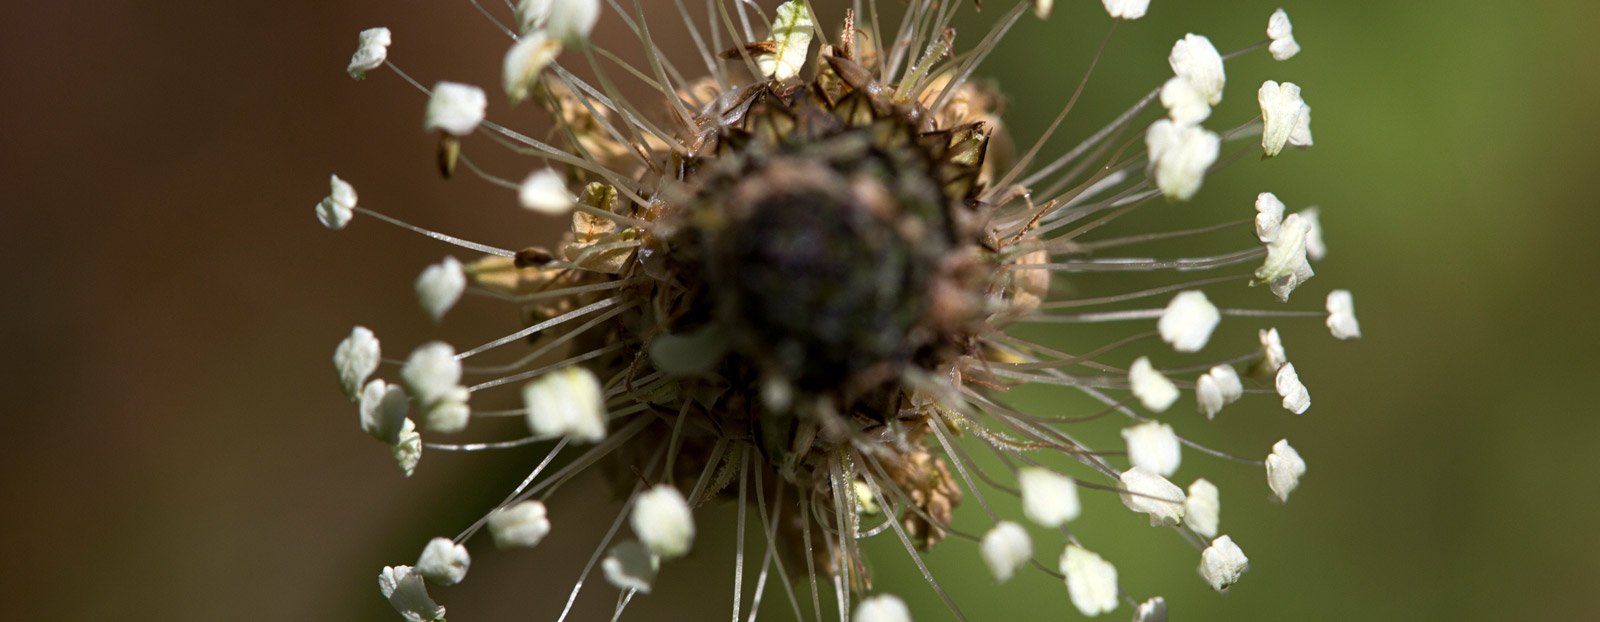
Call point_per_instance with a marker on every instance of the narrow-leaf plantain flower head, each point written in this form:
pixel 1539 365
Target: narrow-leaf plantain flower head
pixel 789 277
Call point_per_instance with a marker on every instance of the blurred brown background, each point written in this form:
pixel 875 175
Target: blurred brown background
pixel 175 446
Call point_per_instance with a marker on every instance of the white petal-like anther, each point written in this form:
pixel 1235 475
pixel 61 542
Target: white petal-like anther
pixel 1179 157
pixel 1194 59
pixel 1273 355
pixel 629 566
pixel 532 14
pixel 1315 248
pixel 567 402
pixel 408 594
pixel 663 522
pixel 791 36
pixel 882 608
pixel 1202 509
pixel 1185 104
pixel 1153 446
pixel 371 50
pixel 1188 320
pixel 408 449
pixel 383 411
pixel 1283 46
pixel 433 376
pixel 1222 563
pixel 1091 580
pixel 1284 468
pixel 1286 267
pixel 1296 398
pixel 1153 610
pixel 571 21
pixel 1126 9
pixel 1153 389
pixel 440 286
pixel 1342 315
pixel 356 358
pixel 1285 117
pixel 444 562
pixel 1152 494
pixel 1048 498
pixel 1217 388
pixel 336 209
pixel 1005 549
pixel 523 524
pixel 523 63
pixel 455 108
pixel 1269 216
pixel 545 192
pixel 1228 381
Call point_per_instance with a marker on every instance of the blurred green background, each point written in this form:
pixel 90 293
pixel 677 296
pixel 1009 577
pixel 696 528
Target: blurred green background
pixel 176 448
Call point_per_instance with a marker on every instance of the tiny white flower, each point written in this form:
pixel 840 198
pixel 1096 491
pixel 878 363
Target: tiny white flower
pixel 545 192
pixel 408 449
pixel 1005 549
pixel 1179 157
pixel 1153 446
pixel 1042 8
pixel 1153 389
pixel 1342 315
pixel 336 209
pixel 629 566
pixel 1281 32
pixel 1188 320
pixel 1185 104
pixel 523 524
pixel 567 402
pixel 1091 580
pixel 523 63
pixel 1222 563
pixel 1286 267
pixel 1208 396
pixel 1285 117
pixel 1217 388
pixel 372 49
pixel 1194 59
pixel 408 594
pixel 662 520
pixel 1153 610
pixel 571 21
pixel 1048 498
pixel 433 376
pixel 1126 9
pixel 1152 494
pixel 1296 398
pixel 1284 468
pixel 383 411
pixel 440 286
pixel 1228 381
pixel 1269 217
pixel 356 358
pixel 791 35
pixel 531 14
pixel 1272 353
pixel 882 608
pixel 443 562
pixel 455 108
pixel 1315 248
pixel 1202 508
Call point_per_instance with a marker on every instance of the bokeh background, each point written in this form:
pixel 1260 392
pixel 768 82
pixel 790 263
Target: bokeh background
pixel 175 447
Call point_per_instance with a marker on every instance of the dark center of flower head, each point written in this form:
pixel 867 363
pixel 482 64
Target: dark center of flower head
pixel 826 248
